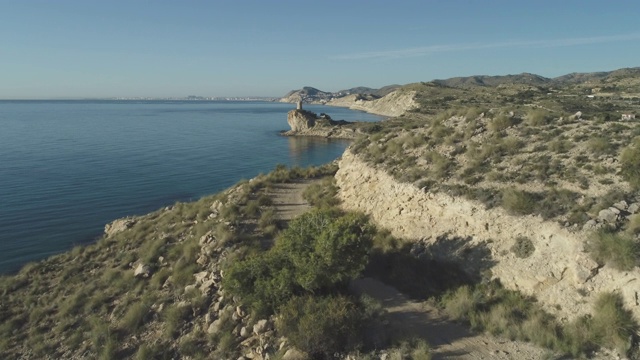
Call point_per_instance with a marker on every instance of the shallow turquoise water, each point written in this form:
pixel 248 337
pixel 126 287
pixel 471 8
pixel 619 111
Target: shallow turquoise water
pixel 69 167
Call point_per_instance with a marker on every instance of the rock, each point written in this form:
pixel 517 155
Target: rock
pixel 607 215
pixel 583 269
pixel 261 326
pixel 206 238
pixel 201 276
pixel 300 120
pixel 244 332
pixel 614 210
pixel 590 225
pixel 206 287
pixel 118 225
pixel 189 288
pixel 293 354
pixel 240 311
pixel 215 327
pixel 633 208
pixel 202 260
pixel 142 271
pixel 622 205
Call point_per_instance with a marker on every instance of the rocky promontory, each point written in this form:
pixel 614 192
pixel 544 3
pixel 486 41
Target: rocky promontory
pixel 308 123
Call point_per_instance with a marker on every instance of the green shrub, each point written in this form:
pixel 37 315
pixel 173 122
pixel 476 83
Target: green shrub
pixel 518 202
pixel 600 146
pixel 523 247
pixel 175 317
pixel 135 316
pixel 617 250
pixel 320 326
pixel 538 117
pixel 320 250
pixel 322 194
pixel 630 163
pixel 460 303
pixel 440 165
pixel 500 123
pixel 613 324
pixel 633 227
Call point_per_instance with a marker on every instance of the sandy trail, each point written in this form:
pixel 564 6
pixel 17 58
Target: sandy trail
pixel 287 199
pixel 448 339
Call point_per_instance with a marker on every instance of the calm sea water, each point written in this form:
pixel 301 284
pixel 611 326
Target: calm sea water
pixel 69 167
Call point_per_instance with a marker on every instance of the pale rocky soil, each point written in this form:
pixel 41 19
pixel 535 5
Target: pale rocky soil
pixel 393 104
pixel 559 273
pixel 288 201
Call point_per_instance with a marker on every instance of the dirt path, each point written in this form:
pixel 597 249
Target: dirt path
pixel 408 318
pixel 448 340
pixel 287 199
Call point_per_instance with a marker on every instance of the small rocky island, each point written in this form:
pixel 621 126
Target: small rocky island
pixel 307 123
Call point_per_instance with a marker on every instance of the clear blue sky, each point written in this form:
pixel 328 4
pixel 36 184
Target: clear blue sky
pixel 90 48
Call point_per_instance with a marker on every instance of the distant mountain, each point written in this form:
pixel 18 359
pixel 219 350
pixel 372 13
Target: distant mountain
pixel 311 94
pixel 579 78
pixel 484 80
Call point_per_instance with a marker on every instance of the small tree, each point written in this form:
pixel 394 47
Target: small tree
pixel 319 251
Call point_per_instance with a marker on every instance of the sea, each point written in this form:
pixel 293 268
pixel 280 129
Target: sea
pixel 67 168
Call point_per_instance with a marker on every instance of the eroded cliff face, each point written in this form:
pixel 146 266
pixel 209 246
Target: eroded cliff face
pixel 301 120
pixel 559 272
pixel 393 104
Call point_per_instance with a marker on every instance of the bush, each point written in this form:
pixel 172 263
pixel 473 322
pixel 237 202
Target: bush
pixel 135 315
pixel 613 325
pixel 618 250
pixel 319 250
pixel 523 247
pixel 322 194
pixel 518 202
pixel 630 163
pixel 460 304
pixel 538 117
pixel 500 123
pixel 320 326
pixel 600 146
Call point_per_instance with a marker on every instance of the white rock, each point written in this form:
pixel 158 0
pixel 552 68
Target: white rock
pixel 201 277
pixel 261 326
pixel 293 354
pixel 142 271
pixel 215 327
pixel 244 332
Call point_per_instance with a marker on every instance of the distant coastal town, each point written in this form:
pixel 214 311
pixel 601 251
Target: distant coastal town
pixel 199 98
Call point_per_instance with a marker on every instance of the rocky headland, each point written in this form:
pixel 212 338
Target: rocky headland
pixel 307 123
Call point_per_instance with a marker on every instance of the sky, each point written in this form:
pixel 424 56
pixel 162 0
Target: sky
pixel 135 48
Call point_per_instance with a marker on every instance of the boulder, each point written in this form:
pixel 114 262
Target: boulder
pixel 244 332
pixel 293 354
pixel 117 226
pixel 215 327
pixel 622 205
pixel 607 215
pixel 260 327
pixel 142 271
pixel 633 208
pixel 300 120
